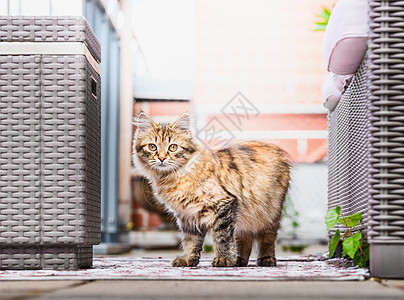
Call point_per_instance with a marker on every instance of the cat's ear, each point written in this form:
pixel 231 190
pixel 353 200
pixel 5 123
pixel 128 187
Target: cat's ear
pixel 143 122
pixel 182 124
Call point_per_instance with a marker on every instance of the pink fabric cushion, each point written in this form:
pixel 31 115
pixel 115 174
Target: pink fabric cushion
pixel 345 40
pixel 333 88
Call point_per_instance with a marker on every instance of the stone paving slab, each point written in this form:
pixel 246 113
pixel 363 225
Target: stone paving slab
pixel 251 290
pixel 31 289
pixel 399 284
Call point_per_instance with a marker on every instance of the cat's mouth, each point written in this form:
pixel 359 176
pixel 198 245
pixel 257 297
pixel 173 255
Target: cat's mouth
pixel 163 166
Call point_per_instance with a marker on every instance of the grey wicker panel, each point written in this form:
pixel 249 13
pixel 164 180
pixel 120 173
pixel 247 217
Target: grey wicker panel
pixel 19 149
pixel 69 213
pixel 50 123
pixel 66 257
pixel 49 29
pixel 93 156
pixel 387 122
pixel 46 257
pixel 20 258
pixel 348 149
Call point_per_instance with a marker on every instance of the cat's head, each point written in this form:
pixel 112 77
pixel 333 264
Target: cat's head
pixel 161 148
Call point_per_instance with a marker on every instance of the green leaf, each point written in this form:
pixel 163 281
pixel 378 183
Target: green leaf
pixel 323 15
pixel 333 243
pixel 351 245
pixel 319 28
pixel 365 257
pixel 361 258
pixel 354 219
pixel 327 11
pixel 357 259
pixel 346 233
pixel 332 216
pixel 350 221
pixel 363 263
pixel 343 221
pixel 357 236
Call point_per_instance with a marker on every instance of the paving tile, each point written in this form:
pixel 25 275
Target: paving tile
pixel 227 290
pixel 29 289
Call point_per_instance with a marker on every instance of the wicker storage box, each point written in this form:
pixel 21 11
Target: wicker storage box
pixel 50 143
pixel 386 85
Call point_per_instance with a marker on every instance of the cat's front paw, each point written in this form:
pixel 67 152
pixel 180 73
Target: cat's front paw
pixel 222 261
pixel 181 261
pixel 266 261
pixel 241 262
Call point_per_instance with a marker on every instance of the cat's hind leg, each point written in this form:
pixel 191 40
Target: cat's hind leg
pixel 244 245
pixel 266 248
pixel 223 235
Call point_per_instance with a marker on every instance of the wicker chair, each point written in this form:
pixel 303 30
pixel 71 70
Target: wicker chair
pixel 366 142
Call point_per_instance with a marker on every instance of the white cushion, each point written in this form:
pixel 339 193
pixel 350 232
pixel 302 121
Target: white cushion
pixel 333 88
pixel 345 39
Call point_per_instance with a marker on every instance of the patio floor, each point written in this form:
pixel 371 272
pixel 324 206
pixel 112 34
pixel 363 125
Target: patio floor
pixel 148 275
pixel 296 268
pixel 198 290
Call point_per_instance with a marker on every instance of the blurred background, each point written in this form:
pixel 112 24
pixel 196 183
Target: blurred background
pixel 209 58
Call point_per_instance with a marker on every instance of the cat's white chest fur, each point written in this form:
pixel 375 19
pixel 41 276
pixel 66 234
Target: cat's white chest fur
pixel 185 203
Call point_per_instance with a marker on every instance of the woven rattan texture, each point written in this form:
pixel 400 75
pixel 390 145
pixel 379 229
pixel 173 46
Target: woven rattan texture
pixel 49 29
pixel 20 150
pixel 93 156
pixel 71 203
pixel 50 123
pixel 46 257
pixel 387 123
pixel 50 136
pixel 348 150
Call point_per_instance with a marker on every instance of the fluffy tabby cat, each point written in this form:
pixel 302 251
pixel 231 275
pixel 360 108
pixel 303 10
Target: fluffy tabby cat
pixel 236 193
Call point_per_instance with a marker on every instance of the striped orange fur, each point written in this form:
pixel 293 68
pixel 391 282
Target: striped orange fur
pixel 236 193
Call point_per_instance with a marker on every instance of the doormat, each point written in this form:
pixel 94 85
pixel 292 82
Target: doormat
pixel 124 268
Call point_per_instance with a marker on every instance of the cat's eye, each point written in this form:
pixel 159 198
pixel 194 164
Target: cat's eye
pixel 152 147
pixel 173 147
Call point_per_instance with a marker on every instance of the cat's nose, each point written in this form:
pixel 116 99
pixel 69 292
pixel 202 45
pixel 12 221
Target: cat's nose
pixel 162 159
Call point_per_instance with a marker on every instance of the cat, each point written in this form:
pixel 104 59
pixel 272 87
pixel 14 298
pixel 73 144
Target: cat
pixel 236 193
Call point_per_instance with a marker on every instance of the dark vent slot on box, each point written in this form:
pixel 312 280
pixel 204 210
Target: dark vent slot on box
pixel 93 87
